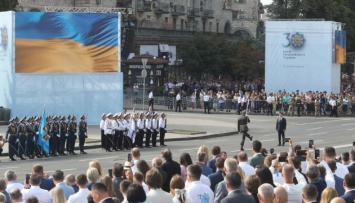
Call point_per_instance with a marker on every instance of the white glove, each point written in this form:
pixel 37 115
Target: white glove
pixel 34 139
pixel 75 134
pixel 66 134
pixel 58 135
pixel 86 134
pixel 17 140
pixel 37 133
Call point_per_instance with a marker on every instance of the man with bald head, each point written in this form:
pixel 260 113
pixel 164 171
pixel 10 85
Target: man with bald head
pixel 156 163
pixel 280 195
pixel 337 200
pixel 294 192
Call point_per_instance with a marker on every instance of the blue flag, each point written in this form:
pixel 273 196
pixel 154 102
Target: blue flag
pixel 43 134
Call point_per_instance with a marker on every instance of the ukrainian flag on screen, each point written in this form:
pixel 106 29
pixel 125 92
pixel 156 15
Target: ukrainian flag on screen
pixel 340 47
pixel 66 42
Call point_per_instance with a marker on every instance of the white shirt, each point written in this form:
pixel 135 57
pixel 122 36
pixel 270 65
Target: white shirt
pixel 203 179
pixel 80 196
pixel 13 184
pixel 134 166
pixel 158 196
pixel 294 192
pixel 145 187
pixel 42 195
pixel 329 179
pixel 341 169
pixel 178 97
pixel 108 126
pixel 150 95
pixel 162 123
pixel 155 123
pixel 197 190
pixel 269 99
pixel 140 124
pixel 206 98
pixel 248 170
pixel 102 124
pixel 148 123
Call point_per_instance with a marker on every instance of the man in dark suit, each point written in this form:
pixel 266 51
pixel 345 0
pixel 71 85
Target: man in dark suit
pixel 117 172
pixel 351 166
pixel 216 152
pixel 46 184
pixel 309 194
pixel 217 177
pixel 170 167
pixel 99 194
pixel 349 185
pixel 281 128
pixel 233 182
pixel 257 159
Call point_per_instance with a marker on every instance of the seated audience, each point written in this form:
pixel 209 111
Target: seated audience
pixel 233 183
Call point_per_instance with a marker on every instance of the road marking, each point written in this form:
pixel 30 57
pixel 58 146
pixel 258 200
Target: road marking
pixel 314 128
pixel 111 157
pixel 347 124
pixel 68 169
pixel 10 167
pixel 239 150
pixel 308 141
pixel 188 149
pixel 321 122
pixel 269 134
pixel 339 146
pixel 216 141
pixel 352 129
pixel 318 133
pixel 267 140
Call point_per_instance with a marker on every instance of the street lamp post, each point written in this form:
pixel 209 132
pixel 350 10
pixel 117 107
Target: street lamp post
pixel 144 75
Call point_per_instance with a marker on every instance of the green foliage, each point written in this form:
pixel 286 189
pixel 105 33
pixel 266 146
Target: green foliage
pixel 208 57
pixel 158 91
pixel 7 5
pixel 340 11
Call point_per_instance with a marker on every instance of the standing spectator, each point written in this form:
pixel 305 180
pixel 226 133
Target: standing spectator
pixel 217 177
pixel 294 191
pixel 281 128
pixel 313 178
pixel 197 191
pixel 3 190
pixel 345 158
pixel 16 196
pixel 351 166
pixel 11 179
pixel 81 195
pixel 193 100
pixel 243 163
pixel 265 175
pixel 338 182
pixel 266 193
pixel 337 200
pixel 170 167
pixel 233 183
pixel 96 164
pixel 117 173
pixel 123 189
pixel 156 194
pixel 257 159
pixel 135 89
pixel 135 194
pixel 143 167
pixel 109 185
pixel 269 101
pixel 252 184
pixel 177 190
pixel 57 194
pixel 202 159
pixel 328 194
pixel 93 176
pixel 349 185
pixel 206 102
pixel 330 154
pixel 41 194
pixel 138 179
pixel 178 101
pixel 136 154
pixel 185 160
pixel 45 183
pixel 216 152
pixel 2 198
pixel 70 180
pixel 58 179
pixel 99 193
pixel 151 101
pixel 309 194
pixel 156 164
pixel 280 195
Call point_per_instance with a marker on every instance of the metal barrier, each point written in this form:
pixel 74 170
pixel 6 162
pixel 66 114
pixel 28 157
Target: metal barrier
pixel 231 106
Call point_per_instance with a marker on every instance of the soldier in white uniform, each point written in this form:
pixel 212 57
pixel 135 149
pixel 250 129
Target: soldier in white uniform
pixel 155 129
pixel 108 128
pixel 148 128
pixel 140 130
pixel 162 128
pixel 102 124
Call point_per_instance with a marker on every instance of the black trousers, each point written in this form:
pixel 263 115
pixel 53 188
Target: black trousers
pixel 269 109
pixel 162 136
pixel 21 145
pixel 206 106
pixel 71 142
pixel 281 133
pixel 29 144
pixel 102 139
pixel 12 146
pixel 62 142
pixel 139 138
pixel 53 142
pixel 178 105
pixel 147 137
pixel 127 142
pixel 37 148
pixel 119 139
pixel 115 140
pixel 154 137
pixel 245 134
pixel 108 141
pixel 82 138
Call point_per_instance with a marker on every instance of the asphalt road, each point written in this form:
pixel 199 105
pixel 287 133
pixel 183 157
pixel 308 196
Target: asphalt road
pixel 336 132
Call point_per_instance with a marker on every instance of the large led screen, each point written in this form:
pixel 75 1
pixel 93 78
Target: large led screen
pixel 67 42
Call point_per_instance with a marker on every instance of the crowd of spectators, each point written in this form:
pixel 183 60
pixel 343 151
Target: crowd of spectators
pixel 294 176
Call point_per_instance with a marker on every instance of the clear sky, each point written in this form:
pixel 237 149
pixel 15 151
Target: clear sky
pixel 266 2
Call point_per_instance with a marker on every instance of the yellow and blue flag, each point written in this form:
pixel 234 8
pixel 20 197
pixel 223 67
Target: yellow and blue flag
pixel 43 140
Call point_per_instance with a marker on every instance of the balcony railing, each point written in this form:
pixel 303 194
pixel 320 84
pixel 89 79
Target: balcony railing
pixel 193 12
pixel 178 10
pixel 207 14
pixel 162 8
pixel 143 6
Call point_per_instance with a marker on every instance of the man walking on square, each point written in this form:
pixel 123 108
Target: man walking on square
pixel 281 128
pixel 243 128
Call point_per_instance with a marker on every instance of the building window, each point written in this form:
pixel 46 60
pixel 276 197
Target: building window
pixel 182 24
pixel 210 27
pixel 217 25
pixel 166 19
pixel 242 1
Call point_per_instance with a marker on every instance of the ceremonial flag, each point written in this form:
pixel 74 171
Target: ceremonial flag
pixel 43 134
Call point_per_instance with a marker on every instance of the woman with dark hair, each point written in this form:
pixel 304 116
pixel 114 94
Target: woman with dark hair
pixel 185 160
pixel 265 175
pixel 143 167
pixel 135 194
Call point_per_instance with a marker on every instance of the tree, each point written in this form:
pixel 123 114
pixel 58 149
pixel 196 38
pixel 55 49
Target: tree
pixel 7 5
pixel 285 9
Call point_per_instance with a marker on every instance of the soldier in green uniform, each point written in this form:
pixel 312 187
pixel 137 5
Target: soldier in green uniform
pixel 291 106
pixel 243 121
pixel 21 134
pixel 11 137
pixel 83 130
pixel 54 136
pixel 72 135
pixel 63 136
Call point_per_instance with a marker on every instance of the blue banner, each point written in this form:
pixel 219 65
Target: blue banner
pixel 43 140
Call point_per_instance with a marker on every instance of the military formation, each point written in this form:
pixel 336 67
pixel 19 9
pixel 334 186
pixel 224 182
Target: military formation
pixel 59 132
pixel 125 131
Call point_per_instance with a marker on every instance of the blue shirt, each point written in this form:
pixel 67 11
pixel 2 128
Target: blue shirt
pixel 68 190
